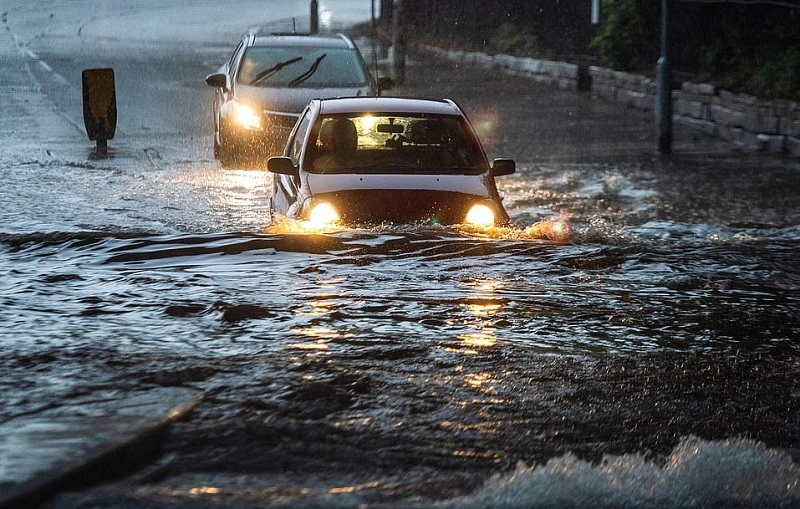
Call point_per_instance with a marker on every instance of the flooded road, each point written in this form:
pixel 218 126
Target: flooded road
pixel 651 361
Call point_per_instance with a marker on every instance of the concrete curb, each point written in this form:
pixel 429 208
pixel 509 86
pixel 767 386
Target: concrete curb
pixel 84 441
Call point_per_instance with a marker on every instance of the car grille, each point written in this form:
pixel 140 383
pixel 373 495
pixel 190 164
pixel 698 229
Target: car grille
pixel 378 206
pixel 281 121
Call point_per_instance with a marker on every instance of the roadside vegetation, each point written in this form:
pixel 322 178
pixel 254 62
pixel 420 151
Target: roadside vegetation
pixel 751 47
pixel 756 51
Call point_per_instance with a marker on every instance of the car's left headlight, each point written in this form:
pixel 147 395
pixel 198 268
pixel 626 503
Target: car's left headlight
pixel 323 214
pixel 480 214
pixel 247 117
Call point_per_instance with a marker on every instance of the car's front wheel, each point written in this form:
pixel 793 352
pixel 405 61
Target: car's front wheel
pixel 225 149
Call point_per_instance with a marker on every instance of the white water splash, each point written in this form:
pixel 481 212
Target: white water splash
pixel 699 473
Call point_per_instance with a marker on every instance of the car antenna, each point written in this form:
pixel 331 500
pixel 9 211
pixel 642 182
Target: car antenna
pixel 294 25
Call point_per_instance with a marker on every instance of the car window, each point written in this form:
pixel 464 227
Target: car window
pixel 296 145
pixel 233 62
pixel 313 67
pixel 394 143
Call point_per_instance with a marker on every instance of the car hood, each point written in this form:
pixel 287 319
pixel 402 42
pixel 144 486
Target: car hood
pixel 292 99
pixel 328 183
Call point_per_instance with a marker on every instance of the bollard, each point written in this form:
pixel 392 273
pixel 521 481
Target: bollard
pixel 99 105
pixel 314 18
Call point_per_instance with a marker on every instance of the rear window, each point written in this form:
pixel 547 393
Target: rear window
pixel 311 67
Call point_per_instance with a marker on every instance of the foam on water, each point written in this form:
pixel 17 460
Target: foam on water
pixel 698 473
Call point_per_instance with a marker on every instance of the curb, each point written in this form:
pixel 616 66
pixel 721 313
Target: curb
pixel 84 442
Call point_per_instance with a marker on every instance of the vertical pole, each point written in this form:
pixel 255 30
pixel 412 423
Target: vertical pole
pixel 398 43
pixel 664 78
pixel 386 10
pixel 313 23
pixel 595 12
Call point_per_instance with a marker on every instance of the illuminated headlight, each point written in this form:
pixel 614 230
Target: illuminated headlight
pixel 247 117
pixel 480 215
pixel 323 214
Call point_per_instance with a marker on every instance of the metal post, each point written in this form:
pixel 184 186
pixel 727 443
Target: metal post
pixel 398 43
pixel 314 18
pixel 664 77
pixel 386 10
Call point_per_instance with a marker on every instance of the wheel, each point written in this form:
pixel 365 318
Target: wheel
pixel 227 152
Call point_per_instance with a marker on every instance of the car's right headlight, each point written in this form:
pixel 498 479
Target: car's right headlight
pixel 323 214
pixel 246 117
pixel 480 214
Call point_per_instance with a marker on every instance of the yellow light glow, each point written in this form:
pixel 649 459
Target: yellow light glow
pixel 204 490
pixel 478 339
pixel 323 214
pixel 366 124
pixel 480 215
pixel 483 310
pixel 247 117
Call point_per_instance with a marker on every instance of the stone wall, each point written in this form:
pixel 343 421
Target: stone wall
pixel 748 122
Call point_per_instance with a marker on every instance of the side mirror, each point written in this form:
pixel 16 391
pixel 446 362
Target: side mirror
pixel 217 80
pixel 281 165
pixel 385 83
pixel 502 166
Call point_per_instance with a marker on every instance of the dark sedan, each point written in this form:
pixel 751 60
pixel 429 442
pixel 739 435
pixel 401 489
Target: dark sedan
pixel 269 79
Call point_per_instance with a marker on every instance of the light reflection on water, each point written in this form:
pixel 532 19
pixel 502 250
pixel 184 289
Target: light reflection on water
pixel 532 292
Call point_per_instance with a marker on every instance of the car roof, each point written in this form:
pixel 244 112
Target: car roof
pixel 388 105
pixel 327 41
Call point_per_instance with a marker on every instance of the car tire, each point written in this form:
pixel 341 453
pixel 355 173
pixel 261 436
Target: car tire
pixel 227 152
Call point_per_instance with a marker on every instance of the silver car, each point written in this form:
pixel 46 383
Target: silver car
pixel 380 159
pixel 269 79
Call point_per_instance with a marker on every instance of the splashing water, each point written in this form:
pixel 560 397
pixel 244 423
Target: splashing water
pixel 698 473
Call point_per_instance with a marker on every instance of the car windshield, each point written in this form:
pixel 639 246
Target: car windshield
pixel 395 143
pixel 311 67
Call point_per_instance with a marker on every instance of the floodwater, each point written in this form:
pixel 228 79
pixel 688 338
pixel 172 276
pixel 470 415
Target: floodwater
pixel 651 359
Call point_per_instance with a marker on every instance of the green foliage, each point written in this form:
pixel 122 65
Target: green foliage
pixel 509 39
pixel 768 69
pixel 778 76
pixel 619 41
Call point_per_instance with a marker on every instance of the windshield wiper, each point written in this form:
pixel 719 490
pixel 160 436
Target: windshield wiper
pixel 266 73
pixel 311 70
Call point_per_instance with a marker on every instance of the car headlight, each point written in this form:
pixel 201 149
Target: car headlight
pixel 246 117
pixel 323 214
pixel 480 215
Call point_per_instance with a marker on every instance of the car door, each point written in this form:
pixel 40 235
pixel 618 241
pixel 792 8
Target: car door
pixel 285 188
pixel 222 94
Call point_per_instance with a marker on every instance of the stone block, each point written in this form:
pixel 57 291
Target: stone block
pixel 607 92
pixel 702 125
pixel 689 108
pixel 773 144
pixel 701 89
pixel 790 127
pixel 792 147
pixel 530 66
pixel 726 116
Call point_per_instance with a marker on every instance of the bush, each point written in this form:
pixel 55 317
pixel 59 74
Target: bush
pixel 510 40
pixel 620 41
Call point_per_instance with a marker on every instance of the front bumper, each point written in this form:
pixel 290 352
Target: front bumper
pixel 403 206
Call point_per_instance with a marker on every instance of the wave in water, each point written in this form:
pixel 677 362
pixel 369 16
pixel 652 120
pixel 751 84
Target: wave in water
pixel 734 473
